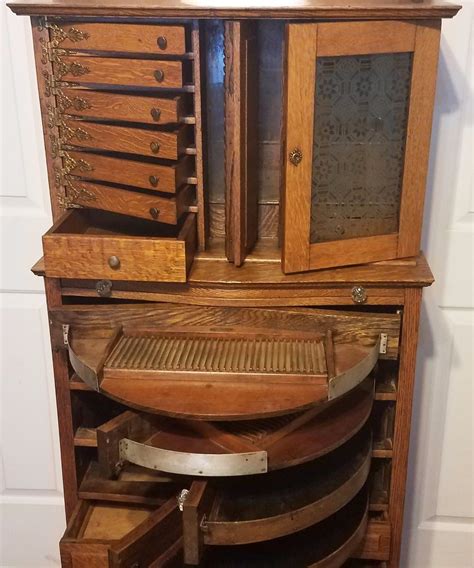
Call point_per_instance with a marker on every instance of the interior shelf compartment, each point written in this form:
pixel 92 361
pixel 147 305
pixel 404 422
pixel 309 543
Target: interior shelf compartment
pixel 248 510
pixel 231 448
pixel 327 544
pixel 244 366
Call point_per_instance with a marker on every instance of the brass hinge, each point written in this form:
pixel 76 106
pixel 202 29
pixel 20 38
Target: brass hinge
pixel 69 165
pixel 72 194
pixel 65 334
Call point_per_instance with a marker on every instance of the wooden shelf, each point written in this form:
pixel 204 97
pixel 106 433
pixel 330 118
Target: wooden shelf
pixel 85 437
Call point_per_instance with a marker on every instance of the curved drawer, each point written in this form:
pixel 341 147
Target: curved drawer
pixel 235 374
pixel 283 503
pixel 325 545
pixel 213 449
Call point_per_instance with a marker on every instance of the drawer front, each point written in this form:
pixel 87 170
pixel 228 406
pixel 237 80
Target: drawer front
pixel 167 179
pixel 152 207
pixel 117 257
pixel 110 106
pixel 118 71
pixel 133 38
pixel 158 144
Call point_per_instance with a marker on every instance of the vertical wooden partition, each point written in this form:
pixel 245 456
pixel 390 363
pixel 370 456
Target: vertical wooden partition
pixel 241 138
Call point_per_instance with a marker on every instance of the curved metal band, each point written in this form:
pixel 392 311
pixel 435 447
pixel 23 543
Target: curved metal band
pixel 209 465
pixel 344 382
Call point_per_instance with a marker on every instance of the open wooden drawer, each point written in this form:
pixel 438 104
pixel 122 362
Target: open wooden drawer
pixel 94 244
pixel 230 449
pixel 103 534
pixel 227 364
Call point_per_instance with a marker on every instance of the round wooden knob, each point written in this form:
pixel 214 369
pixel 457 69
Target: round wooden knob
pixel 153 180
pixel 155 114
pixel 114 262
pixel 154 212
pixel 155 147
pixel 159 75
pixel 162 42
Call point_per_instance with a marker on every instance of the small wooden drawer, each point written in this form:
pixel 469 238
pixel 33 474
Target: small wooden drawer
pixel 120 106
pixel 131 38
pixel 87 243
pixel 146 175
pixel 119 71
pixel 127 202
pixel 167 144
pixel 101 534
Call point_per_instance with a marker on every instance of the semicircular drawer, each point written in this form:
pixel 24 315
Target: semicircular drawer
pixel 227 369
pixel 230 449
pixel 279 503
pixel 327 544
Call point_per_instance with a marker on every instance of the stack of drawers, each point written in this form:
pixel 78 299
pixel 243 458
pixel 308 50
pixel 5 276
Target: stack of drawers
pixel 123 121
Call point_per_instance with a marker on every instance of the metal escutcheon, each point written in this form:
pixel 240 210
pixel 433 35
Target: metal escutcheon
pixel 104 288
pixel 359 295
pixel 296 155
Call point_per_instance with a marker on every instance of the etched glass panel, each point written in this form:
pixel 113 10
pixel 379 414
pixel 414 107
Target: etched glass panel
pixel 361 113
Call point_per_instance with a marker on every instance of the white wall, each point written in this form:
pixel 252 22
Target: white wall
pixel 32 517
pixel 440 510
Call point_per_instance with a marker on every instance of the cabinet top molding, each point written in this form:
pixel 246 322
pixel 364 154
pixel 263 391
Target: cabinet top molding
pixel 240 9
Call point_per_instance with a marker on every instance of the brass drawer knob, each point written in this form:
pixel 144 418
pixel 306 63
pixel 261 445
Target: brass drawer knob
pixel 296 155
pixel 114 262
pixel 155 147
pixel 153 180
pixel 104 288
pixel 162 42
pixel 159 75
pixel 155 114
pixel 154 212
pixel 359 295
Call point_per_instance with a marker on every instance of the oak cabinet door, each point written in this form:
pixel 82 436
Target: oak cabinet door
pixel 358 107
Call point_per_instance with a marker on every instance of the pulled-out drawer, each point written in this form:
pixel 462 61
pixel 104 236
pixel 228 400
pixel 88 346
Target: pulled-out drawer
pixel 131 38
pixel 167 144
pixel 135 203
pixel 143 174
pixel 102 534
pixel 87 243
pixel 119 71
pixel 121 106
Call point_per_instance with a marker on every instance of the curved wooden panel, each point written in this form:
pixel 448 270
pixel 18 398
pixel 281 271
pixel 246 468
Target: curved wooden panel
pixel 325 545
pixel 284 503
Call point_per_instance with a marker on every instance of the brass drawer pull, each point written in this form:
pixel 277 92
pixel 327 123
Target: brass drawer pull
pixel 162 42
pixel 296 155
pixel 114 262
pixel 154 212
pixel 359 295
pixel 159 75
pixel 155 147
pixel 153 180
pixel 155 114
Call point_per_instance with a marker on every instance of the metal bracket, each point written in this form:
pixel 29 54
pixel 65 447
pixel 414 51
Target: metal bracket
pixel 65 334
pixel 383 343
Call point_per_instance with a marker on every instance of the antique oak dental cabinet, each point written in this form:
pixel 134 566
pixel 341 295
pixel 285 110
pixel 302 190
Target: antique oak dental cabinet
pixel 234 273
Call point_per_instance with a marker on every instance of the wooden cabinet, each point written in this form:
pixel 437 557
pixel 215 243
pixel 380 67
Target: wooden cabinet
pixel 233 275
